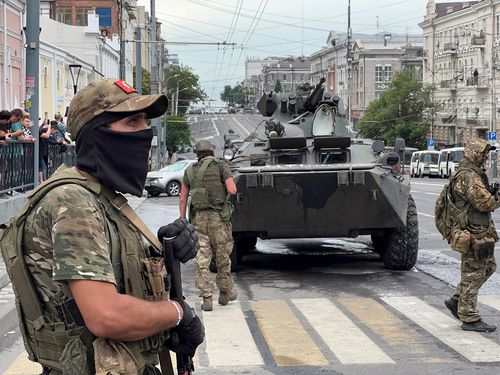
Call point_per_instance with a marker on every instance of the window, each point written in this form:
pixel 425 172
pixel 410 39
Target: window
pixel 81 16
pixel 333 157
pixel 496 24
pixel 58 80
pixel 387 72
pixel 289 159
pixel 378 73
pixel 64 15
pixel 284 77
pixel 105 17
pixel 377 94
pixel 45 77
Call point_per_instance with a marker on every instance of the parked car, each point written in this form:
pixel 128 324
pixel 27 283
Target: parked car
pixel 232 110
pixel 211 111
pixel 168 179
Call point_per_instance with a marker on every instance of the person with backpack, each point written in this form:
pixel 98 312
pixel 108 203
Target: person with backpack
pixel 463 216
pixel 89 276
pixel 210 181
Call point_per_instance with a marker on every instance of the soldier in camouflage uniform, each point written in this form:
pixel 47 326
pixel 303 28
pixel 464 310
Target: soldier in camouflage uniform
pixel 78 246
pixel 210 181
pixel 471 192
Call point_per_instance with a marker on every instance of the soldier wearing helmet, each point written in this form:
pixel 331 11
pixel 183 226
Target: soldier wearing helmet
pixel 475 236
pixel 210 181
pixel 101 307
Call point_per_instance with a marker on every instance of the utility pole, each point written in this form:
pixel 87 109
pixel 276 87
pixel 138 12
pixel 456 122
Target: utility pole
pixel 493 120
pixel 32 74
pixel 138 61
pixel 154 81
pixel 349 61
pixel 122 41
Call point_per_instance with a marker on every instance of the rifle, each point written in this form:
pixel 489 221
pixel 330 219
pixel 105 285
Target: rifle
pixel 185 364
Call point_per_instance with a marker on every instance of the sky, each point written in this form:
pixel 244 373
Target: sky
pixel 261 28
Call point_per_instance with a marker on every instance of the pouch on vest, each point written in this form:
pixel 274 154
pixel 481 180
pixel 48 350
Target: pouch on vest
pixel 460 240
pixel 115 358
pixel 227 211
pixel 483 246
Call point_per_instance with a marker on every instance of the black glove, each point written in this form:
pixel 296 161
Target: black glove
pixel 185 238
pixel 190 332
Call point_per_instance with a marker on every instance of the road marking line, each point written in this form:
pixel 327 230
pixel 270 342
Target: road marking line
pixel 429 193
pixel 215 128
pixel 23 366
pixel 426 215
pixel 241 126
pixel 349 344
pixel 228 338
pixel 471 345
pixel 391 329
pixel 288 341
pixel 490 300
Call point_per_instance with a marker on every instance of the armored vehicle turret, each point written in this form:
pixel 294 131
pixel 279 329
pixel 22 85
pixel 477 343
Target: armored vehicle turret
pixel 304 173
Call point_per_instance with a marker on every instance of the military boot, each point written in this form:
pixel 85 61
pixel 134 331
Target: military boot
pixel 207 304
pixel 452 305
pixel 226 297
pixel 478 326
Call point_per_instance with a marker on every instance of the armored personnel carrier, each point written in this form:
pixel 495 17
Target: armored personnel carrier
pixel 305 174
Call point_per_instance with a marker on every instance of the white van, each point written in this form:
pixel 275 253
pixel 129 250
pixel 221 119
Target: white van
pixel 448 161
pixel 424 163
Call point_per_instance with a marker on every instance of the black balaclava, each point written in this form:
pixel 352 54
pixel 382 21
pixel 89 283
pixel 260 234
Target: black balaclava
pixel 119 160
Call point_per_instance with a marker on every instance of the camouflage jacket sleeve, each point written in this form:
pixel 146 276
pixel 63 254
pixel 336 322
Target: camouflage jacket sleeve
pixel 470 186
pixel 77 234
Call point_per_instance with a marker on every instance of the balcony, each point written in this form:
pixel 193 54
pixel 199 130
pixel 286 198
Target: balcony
pixel 449 84
pixel 450 48
pixel 479 41
pixel 481 82
pixel 476 121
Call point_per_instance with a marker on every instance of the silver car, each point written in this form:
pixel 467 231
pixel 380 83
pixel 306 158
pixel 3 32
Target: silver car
pixel 168 179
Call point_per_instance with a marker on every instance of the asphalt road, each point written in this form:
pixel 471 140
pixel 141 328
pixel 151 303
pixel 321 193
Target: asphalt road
pixel 328 306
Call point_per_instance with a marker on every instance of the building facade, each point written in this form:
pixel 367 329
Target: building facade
pixel 375 58
pixel 462 44
pixel 12 54
pixel 290 71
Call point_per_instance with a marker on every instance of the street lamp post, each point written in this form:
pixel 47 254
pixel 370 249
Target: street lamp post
pixel 177 96
pixel 75 69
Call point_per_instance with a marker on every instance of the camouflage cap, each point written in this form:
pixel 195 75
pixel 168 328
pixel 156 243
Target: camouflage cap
pixel 204 145
pixel 476 148
pixel 110 95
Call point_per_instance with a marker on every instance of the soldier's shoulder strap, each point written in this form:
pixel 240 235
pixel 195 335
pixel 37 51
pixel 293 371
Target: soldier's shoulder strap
pixel 199 174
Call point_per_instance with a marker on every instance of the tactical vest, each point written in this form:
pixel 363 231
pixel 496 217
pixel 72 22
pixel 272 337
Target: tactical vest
pixel 474 217
pixel 207 189
pixel 50 331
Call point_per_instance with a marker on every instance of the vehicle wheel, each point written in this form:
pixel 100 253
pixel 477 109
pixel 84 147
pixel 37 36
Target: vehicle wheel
pixel 379 243
pixel 153 193
pixel 402 243
pixel 173 188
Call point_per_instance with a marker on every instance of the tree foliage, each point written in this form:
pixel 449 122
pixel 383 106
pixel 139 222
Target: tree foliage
pixel 234 95
pixel 146 81
pixel 183 78
pixel 277 86
pixel 402 111
pixel 177 134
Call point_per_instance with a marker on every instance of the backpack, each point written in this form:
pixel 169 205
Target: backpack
pixel 446 214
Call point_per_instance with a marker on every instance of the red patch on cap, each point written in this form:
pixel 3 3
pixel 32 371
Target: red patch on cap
pixel 125 86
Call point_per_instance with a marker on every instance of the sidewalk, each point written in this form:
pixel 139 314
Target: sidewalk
pixel 8 315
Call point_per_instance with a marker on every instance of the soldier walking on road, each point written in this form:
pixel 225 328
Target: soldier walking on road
pixel 474 234
pixel 210 182
pixel 91 290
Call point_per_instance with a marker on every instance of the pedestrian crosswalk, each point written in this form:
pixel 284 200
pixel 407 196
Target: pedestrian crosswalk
pixel 344 331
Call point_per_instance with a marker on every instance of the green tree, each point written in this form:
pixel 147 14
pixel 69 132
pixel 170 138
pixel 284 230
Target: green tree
pixel 177 134
pixel 277 86
pixel 183 78
pixel 226 95
pixel 233 95
pixel 402 111
pixel 146 81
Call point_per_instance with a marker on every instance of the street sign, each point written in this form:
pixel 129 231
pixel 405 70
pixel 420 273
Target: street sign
pixel 492 136
pixel 431 143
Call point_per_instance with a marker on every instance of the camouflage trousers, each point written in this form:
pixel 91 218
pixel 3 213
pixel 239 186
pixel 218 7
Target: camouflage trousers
pixel 214 235
pixel 474 274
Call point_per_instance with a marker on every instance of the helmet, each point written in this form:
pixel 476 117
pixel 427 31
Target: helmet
pixel 204 145
pixel 110 95
pixel 476 150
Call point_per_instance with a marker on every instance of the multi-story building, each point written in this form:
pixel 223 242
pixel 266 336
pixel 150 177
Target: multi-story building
pixel 290 71
pixel 254 79
pixel 461 45
pixel 12 54
pixel 374 60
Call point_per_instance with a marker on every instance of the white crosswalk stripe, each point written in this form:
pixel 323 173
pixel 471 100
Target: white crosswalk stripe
pixel 349 344
pixel 342 331
pixel 471 345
